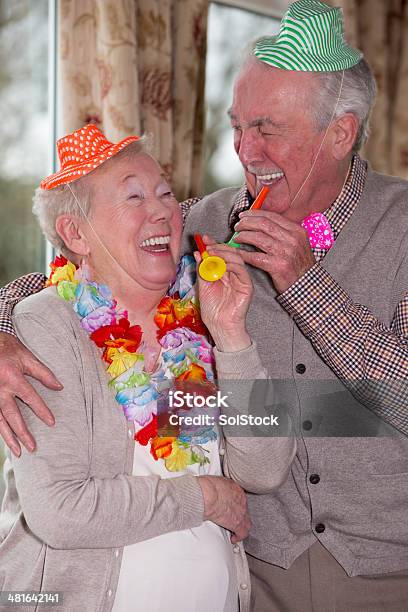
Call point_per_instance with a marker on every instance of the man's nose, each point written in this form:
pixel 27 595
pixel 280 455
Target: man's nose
pixel 250 148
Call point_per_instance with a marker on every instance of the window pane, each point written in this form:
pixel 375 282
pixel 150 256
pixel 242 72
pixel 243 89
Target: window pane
pixel 24 135
pixel 24 132
pixel 229 32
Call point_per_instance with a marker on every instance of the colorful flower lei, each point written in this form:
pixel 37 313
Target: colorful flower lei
pixel 186 359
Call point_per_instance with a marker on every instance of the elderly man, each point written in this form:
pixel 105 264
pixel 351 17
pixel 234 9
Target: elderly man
pixel 329 256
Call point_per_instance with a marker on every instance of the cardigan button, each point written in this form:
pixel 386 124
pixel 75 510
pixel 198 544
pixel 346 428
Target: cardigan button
pixel 320 527
pixel 300 368
pixel 314 478
pixel 222 451
pixel 236 548
pixel 307 425
pixel 243 586
pixel 110 593
pixel 130 433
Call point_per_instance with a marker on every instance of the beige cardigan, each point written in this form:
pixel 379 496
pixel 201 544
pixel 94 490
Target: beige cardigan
pixel 71 507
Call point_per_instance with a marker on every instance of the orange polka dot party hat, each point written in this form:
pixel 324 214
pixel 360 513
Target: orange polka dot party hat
pixel 81 152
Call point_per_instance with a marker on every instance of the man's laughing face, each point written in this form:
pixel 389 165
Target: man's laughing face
pixel 275 135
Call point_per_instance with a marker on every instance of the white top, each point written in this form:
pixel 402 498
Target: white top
pixel 189 571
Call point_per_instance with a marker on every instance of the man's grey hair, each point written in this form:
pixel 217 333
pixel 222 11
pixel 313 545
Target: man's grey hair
pixel 357 95
pixel 50 204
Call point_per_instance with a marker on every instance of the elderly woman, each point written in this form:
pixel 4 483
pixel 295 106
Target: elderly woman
pixel 120 508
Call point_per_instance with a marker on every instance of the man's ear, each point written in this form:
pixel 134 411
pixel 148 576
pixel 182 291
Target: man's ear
pixel 344 132
pixel 68 228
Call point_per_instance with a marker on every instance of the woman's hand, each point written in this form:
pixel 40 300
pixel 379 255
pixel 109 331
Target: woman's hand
pixel 224 303
pixel 225 504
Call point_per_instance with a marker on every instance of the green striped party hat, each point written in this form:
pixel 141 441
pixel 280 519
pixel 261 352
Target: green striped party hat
pixel 310 39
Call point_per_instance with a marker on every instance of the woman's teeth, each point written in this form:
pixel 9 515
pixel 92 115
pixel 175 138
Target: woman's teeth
pixel 155 240
pixel 269 177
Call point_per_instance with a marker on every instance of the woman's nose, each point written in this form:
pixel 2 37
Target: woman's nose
pixel 159 210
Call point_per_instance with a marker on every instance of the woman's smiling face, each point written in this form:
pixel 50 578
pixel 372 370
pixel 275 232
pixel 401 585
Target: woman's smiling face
pixel 137 218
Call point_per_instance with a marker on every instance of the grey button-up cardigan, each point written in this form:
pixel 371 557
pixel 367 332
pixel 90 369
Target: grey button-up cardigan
pixel 71 507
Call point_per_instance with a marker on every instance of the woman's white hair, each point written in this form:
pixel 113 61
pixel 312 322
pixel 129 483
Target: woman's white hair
pixel 50 204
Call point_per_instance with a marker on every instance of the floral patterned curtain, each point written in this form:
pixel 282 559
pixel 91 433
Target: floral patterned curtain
pixel 138 66
pixel 380 30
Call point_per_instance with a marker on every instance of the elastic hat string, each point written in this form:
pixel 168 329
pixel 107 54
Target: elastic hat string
pixel 95 233
pixel 324 138
pixel 291 204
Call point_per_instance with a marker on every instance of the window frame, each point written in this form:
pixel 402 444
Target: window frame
pixel 274 8
pixel 52 106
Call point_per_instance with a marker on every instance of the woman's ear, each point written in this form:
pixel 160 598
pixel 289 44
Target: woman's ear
pixel 345 129
pixel 69 229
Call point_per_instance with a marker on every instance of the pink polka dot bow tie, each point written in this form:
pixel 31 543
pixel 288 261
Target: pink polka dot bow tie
pixel 319 231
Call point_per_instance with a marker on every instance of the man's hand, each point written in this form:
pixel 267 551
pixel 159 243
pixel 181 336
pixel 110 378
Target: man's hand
pixel 16 361
pixel 225 504
pixel 286 254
